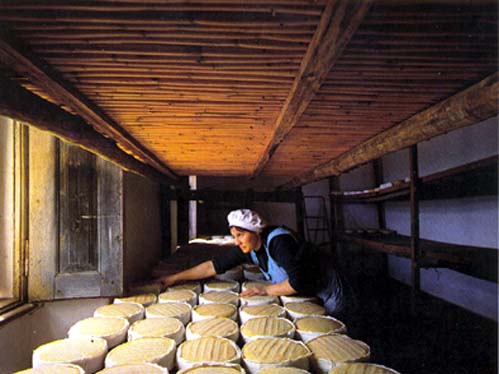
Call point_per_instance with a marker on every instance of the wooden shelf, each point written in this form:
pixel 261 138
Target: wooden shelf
pixel 477 178
pixel 479 262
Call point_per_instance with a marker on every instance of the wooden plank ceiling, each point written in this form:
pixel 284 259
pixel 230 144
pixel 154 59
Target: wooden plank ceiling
pixel 235 88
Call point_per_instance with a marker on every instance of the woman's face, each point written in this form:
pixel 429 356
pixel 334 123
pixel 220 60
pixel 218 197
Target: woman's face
pixel 246 240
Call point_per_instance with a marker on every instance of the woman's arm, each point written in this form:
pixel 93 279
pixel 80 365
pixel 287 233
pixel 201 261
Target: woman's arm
pixel 201 271
pixel 278 289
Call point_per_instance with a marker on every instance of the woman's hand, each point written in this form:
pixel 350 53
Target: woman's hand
pixel 166 281
pixel 253 291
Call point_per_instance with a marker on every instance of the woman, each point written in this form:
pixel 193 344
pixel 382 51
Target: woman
pixel 290 265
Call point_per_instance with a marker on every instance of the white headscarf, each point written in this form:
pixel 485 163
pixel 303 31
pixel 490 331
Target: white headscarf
pixel 246 219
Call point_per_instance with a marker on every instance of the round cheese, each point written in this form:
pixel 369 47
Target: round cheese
pixel 88 353
pixel 159 351
pixel 213 369
pixel 251 284
pixel 135 369
pixel 259 300
pixel 214 310
pixel 331 350
pixel 54 369
pixel 303 309
pixel 182 311
pixel 207 350
pixel 362 368
pixel 283 370
pixel 264 353
pixel 267 327
pixel 225 297
pixel 191 286
pixel 178 296
pixel 253 311
pixel 310 327
pixel 131 311
pixel 143 299
pixel 219 327
pixel 217 285
pixel 298 299
pixel 166 327
pixel 114 330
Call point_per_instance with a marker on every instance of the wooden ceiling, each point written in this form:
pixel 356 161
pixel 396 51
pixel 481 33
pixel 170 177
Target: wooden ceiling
pixel 255 88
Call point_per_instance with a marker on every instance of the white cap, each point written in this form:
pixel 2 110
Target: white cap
pixel 246 219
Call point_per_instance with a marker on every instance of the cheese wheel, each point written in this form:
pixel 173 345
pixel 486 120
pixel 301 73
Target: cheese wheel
pixel 264 353
pixel 131 311
pixel 261 327
pixel 213 369
pixel 207 350
pixel 330 350
pixel 54 369
pixel 204 311
pixel 166 327
pixel 182 311
pixel 135 369
pixel 218 326
pixel 310 327
pixel 224 297
pixel 178 296
pixel 251 284
pixel 303 309
pixel 88 353
pixel 361 368
pixel 298 299
pixel 114 330
pixel 159 351
pixel 253 311
pixel 283 370
pixel 258 300
pixel 218 285
pixel 143 299
pixel 191 286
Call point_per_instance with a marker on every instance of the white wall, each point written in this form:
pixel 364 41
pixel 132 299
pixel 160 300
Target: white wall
pixel 468 221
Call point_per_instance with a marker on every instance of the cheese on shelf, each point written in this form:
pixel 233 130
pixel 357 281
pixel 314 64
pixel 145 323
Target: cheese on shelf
pixel 218 285
pixel 283 370
pixel 143 299
pixel 310 327
pixel 333 349
pixel 54 369
pixel 218 326
pixel 251 284
pixel 88 353
pixel 298 299
pixel 131 311
pixel 362 368
pixel 114 330
pixel 159 351
pixel 213 369
pixel 166 327
pixel 258 300
pixel 253 311
pixel 182 311
pixel 135 369
pixel 214 310
pixel 225 297
pixel 191 286
pixel 178 296
pixel 303 309
pixel 264 353
pixel 267 327
pixel 205 350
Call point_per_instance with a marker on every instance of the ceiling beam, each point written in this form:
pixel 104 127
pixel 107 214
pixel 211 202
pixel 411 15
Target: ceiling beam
pixel 18 103
pixel 22 61
pixel 339 21
pixel 477 103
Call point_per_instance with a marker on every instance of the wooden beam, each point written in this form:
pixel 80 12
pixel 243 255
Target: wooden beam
pixel 292 196
pixel 18 103
pixel 339 21
pixel 477 103
pixel 41 74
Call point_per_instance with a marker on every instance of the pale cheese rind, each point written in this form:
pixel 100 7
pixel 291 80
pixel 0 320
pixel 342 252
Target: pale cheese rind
pixel 114 330
pixel 205 311
pixel 182 311
pixel 159 351
pixel 224 297
pixel 135 369
pixel 310 327
pixel 261 327
pixel 192 286
pixel 283 370
pixel 54 369
pixel 88 353
pixel 302 309
pixel 266 310
pixel 218 286
pixel 144 299
pixel 166 327
pixel 207 350
pixel 213 369
pixel 131 311
pixel 218 326
pixel 178 296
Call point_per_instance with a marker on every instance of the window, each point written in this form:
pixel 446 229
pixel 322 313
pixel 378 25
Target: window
pixel 13 213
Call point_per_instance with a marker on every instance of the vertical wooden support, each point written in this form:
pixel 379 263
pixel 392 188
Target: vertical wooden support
pixel 414 187
pixel 166 225
pixel 380 208
pixel 300 212
pixel 183 214
pixel 337 221
pixel 332 220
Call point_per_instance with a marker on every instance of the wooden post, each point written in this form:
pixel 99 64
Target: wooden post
pixel 380 208
pixel 414 190
pixel 300 213
pixel 166 226
pixel 183 215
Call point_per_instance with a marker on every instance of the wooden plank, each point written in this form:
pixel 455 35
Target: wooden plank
pixel 475 104
pixel 337 25
pixel 17 102
pixel 25 63
pixel 291 196
pixel 414 206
